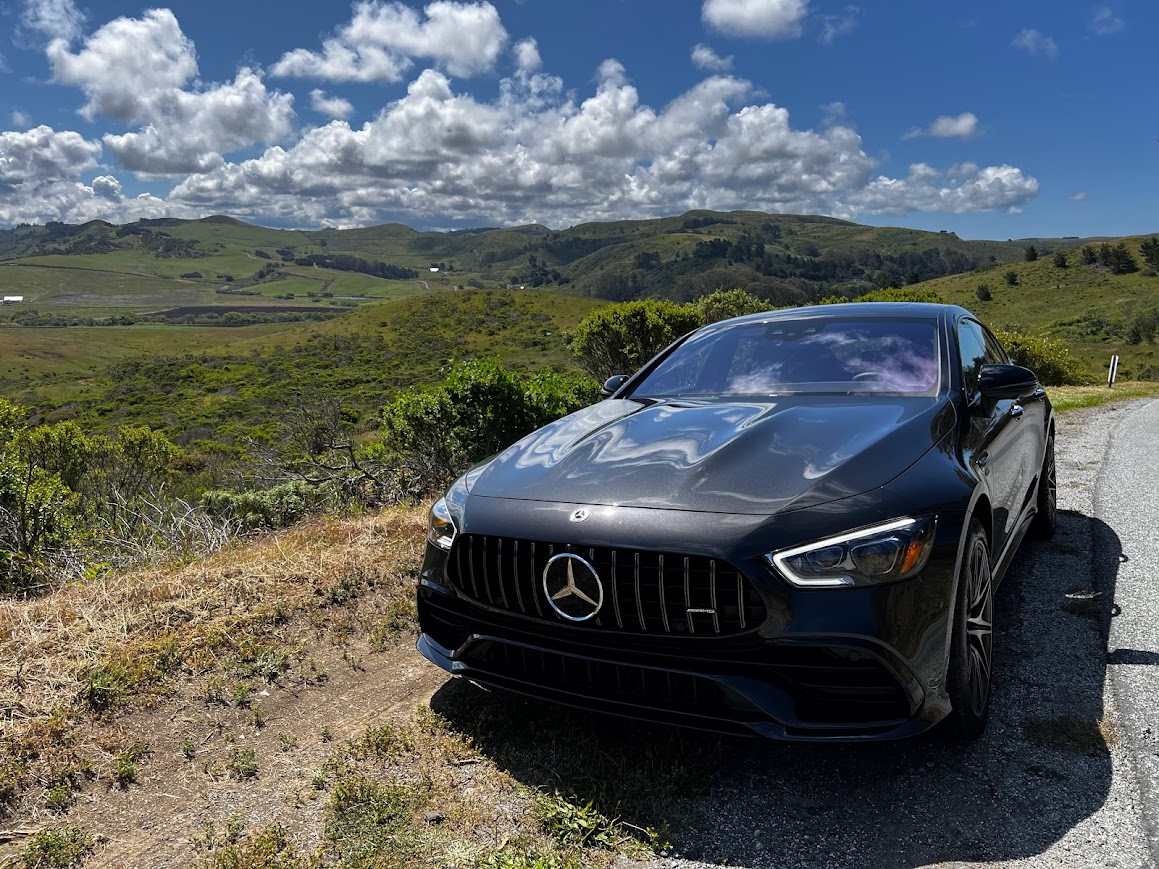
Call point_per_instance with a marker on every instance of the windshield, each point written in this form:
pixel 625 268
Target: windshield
pixel 817 355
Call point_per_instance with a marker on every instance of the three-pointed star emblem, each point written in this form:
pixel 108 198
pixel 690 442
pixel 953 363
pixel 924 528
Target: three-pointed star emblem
pixel 572 587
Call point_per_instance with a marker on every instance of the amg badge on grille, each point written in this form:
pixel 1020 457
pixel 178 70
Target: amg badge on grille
pixel 573 587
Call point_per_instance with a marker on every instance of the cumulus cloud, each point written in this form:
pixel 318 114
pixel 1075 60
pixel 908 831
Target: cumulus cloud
pixel 1036 43
pixel 963 126
pixel 703 57
pixel 56 19
pixel 138 71
pixel 962 188
pixel 334 107
pixel 40 172
pixel 1104 22
pixel 835 26
pixel 382 39
pixel 21 119
pixel 768 19
pixel 538 154
pixel 128 66
pixel 527 55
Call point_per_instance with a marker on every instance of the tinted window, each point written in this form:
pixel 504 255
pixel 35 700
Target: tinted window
pixel 972 352
pixel 814 355
pixel 994 352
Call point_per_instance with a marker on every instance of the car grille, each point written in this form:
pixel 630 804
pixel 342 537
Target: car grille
pixel 564 677
pixel 646 592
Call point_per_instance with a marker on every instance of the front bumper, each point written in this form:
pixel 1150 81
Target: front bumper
pixel 824 664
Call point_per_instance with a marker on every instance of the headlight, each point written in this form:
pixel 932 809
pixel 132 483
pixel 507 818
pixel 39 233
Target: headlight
pixel 441 529
pixel 869 556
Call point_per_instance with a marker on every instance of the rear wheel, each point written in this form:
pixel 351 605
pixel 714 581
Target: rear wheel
pixel 1046 519
pixel 972 643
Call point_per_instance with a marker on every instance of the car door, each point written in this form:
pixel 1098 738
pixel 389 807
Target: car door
pixel 990 445
pixel 1030 434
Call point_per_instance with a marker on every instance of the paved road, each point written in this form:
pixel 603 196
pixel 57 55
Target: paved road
pixel 1127 501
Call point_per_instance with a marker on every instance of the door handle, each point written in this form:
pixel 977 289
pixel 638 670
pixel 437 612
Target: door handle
pixel 1016 411
pixel 982 460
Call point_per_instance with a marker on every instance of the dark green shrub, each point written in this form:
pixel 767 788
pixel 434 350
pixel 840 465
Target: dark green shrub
pixel 618 339
pixel 725 304
pixel 983 293
pixel 430 435
pixel 1048 358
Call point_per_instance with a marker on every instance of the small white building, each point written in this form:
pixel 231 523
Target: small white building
pixel 434 271
pixel 13 300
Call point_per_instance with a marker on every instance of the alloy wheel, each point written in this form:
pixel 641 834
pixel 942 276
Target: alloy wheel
pixel 979 626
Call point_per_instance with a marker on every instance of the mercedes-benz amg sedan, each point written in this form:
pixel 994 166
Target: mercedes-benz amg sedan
pixel 789 524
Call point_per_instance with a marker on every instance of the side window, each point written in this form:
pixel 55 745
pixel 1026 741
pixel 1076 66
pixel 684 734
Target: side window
pixel 972 353
pixel 995 355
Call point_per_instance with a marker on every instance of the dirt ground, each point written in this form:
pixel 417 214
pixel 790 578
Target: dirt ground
pixel 157 820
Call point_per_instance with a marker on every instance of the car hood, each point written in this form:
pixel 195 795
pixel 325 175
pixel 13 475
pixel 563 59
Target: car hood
pixel 718 457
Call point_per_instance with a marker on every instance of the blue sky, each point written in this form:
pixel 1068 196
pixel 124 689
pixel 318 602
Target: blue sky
pixel 993 120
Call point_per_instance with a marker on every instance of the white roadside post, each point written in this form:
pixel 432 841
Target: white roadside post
pixel 1114 372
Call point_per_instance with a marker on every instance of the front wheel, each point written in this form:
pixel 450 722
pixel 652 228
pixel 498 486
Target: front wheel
pixel 972 643
pixel 1046 518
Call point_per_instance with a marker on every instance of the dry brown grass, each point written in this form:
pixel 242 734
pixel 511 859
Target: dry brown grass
pixel 126 637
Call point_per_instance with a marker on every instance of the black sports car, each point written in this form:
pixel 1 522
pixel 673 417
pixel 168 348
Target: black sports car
pixel 788 524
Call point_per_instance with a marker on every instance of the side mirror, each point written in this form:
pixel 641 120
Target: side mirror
pixel 1006 381
pixel 612 385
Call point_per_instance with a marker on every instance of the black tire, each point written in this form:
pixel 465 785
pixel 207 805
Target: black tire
pixel 1046 519
pixel 972 641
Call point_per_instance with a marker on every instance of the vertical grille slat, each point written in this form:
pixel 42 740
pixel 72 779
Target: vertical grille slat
pixel 639 599
pixel 740 599
pixel 712 597
pixel 471 567
pixel 688 598
pixel 505 574
pixel 499 570
pixel 517 578
pixel 616 592
pixel 534 583
pixel 663 602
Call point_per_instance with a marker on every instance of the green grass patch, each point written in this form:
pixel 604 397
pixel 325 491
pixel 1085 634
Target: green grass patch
pixel 57 847
pixel 1067 398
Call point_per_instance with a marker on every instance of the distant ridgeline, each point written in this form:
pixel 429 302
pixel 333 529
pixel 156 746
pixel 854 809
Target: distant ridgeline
pixel 783 259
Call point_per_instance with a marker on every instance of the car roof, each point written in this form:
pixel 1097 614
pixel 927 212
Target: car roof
pixel 858 310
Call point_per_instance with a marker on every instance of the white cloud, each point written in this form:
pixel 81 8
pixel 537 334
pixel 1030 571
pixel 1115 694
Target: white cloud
pixel 42 154
pixel 834 26
pixel 382 39
pixel 527 55
pixel 138 71
pixel 962 188
pixel 833 113
pixel 1035 43
pixel 107 187
pixel 39 180
pixel 334 107
pixel 963 126
pixel 21 119
pixel 703 57
pixel 1104 22
pixel 537 154
pixel 1077 197
pixel 128 65
pixel 769 19
pixel 56 19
